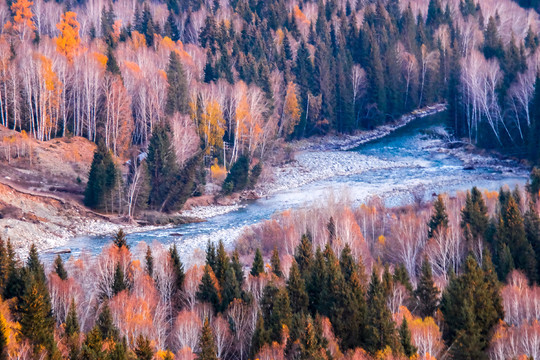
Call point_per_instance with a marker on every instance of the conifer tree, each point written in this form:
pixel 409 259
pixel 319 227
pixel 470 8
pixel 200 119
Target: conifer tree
pixel 380 328
pixel 222 262
pixel 207 291
pixel 471 306
pixel 120 239
pixel 474 217
pixel 37 323
pixel 143 349
pixel 401 275
pixel 162 165
pixel 149 261
pixel 511 233
pixel 101 179
pixel 297 290
pixel 119 283
pixel 427 293
pixel 532 229
pixel 92 347
pixel 112 65
pixel 177 92
pixel 304 255
pixel 178 269
pixel 207 347
pixel 72 321
pixel 439 218
pixel 258 264
pixel 59 268
pixel 211 257
pixel 260 337
pixel 311 347
pixel 276 263
pixel 105 324
pixel 405 337
pixel 238 269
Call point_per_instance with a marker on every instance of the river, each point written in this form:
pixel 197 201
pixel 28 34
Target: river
pixel 421 169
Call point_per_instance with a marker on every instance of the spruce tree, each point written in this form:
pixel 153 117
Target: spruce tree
pixel 427 293
pixel 120 239
pixel 207 291
pixel 304 255
pixel 149 262
pixel 37 322
pixel 276 263
pixel 297 290
pixel 258 264
pixel 119 283
pixel 311 347
pixel 532 229
pixel 177 92
pixel 102 178
pixel 405 337
pixel 474 217
pixel 207 347
pixel 178 269
pixel 238 268
pixel 105 324
pixel 143 348
pixel 162 165
pixel 260 337
pixel 471 306
pixel 401 275
pixel 439 218
pixel 380 327
pixel 59 268
pixel 72 322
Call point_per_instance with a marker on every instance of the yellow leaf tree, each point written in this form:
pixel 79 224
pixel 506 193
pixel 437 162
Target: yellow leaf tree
pixel 69 41
pixel 212 126
pixel 291 112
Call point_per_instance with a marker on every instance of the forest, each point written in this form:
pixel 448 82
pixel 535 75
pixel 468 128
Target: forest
pixel 453 279
pixel 232 80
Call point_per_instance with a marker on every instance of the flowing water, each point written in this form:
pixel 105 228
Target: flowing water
pixel 421 171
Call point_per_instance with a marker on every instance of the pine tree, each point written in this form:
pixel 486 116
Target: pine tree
pixel 143 348
pixel 211 257
pixel 260 337
pixel 105 324
pixel 471 306
pixel 493 46
pixel 297 290
pixel 72 322
pixel 207 347
pixel 276 263
pixel 238 269
pixel 119 283
pixel 222 262
pixel 532 229
pixel 149 262
pixel 37 322
pixel 177 92
pixel 112 65
pixel 59 268
pixel 511 233
pixel 439 219
pixel 258 264
pixel 427 293
pixel 310 345
pixel 101 179
pixel 380 328
pixel 304 255
pixel 162 165
pixel 405 337
pixel 401 275
pixel 474 217
pixel 178 269
pixel 120 239
pixel 208 291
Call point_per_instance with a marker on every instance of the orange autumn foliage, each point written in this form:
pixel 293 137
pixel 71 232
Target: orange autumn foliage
pixel 69 40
